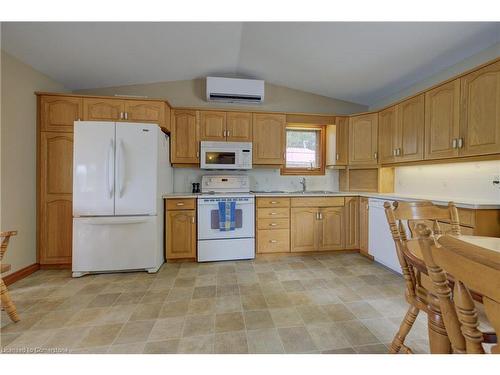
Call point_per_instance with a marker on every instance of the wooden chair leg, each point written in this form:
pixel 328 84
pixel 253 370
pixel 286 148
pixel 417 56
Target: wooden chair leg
pixel 7 303
pixel 404 329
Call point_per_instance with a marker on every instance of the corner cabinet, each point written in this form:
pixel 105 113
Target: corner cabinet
pixel 269 132
pixel 180 229
pixel 185 144
pixel 480 120
pixel 363 137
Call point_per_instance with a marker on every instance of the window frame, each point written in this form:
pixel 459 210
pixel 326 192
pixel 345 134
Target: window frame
pixel 321 154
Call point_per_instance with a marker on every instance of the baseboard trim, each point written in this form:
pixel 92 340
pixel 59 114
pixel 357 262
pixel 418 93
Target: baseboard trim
pixel 20 274
pixel 55 266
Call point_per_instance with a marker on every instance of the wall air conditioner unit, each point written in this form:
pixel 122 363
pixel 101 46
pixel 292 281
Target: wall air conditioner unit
pixel 235 90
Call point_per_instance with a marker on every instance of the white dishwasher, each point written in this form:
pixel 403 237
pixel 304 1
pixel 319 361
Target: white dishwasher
pixel 380 243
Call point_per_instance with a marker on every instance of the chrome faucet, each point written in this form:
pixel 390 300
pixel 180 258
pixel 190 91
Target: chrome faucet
pixel 303 183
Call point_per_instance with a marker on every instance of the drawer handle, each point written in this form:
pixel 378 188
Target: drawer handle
pixel 180 204
pixel 273 213
pixel 273 224
pixel 273 202
pixel 273 241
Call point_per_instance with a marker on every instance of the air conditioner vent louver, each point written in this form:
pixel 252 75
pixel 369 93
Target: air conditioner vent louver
pixel 234 90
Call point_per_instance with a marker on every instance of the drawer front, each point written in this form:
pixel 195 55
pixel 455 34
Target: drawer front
pixel 273 224
pixel 317 202
pixel 465 217
pixel 273 213
pixel 273 241
pixel 273 202
pixel 181 204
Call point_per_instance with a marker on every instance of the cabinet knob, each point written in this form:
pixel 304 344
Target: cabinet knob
pixel 273 224
pixel 460 142
pixel 454 143
pixel 375 155
pixel 126 115
pixel 337 156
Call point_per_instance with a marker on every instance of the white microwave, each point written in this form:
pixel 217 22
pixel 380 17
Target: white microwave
pixel 226 155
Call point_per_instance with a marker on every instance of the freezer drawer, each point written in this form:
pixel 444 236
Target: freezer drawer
pixel 115 244
pixel 213 250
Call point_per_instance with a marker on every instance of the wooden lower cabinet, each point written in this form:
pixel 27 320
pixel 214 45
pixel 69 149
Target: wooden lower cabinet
pixel 351 223
pixel 304 229
pixel 180 230
pixel 363 226
pixel 273 225
pixel 331 228
pixel 316 228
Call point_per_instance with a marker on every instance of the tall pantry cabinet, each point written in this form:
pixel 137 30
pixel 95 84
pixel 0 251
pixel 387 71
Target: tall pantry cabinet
pixel 56 116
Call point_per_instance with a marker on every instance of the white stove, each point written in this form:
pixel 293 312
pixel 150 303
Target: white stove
pixel 215 244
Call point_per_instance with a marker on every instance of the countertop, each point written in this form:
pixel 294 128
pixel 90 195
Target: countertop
pixel 477 204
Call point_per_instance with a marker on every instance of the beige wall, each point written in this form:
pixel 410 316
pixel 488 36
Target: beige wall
pixel 191 93
pixel 18 156
pixel 454 70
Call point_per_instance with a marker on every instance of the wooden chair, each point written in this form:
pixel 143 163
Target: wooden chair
pixel 402 218
pixel 457 265
pixel 7 303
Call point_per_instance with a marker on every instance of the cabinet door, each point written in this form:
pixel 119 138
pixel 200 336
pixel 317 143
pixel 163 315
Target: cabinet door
pixel 442 115
pixel 410 138
pixel 181 234
pixel 363 139
pixel 268 139
pixel 387 135
pixel 363 225
pixel 58 113
pixel 239 126
pixel 55 202
pixel 212 126
pixel 480 121
pixel 185 137
pixel 303 229
pixel 351 222
pixel 331 228
pixel 145 111
pixel 103 109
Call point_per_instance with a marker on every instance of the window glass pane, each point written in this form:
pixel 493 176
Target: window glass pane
pixel 302 148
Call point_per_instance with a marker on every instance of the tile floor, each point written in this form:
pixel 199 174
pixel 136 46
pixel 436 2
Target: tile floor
pixel 336 303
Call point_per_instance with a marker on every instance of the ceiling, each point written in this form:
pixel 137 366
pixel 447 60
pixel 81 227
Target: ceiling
pixel 355 61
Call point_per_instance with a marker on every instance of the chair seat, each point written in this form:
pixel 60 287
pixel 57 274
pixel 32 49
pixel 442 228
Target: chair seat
pixel 4 268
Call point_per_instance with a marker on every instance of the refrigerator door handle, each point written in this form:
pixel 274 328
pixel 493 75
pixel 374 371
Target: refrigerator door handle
pixel 117 220
pixel 121 168
pixel 109 168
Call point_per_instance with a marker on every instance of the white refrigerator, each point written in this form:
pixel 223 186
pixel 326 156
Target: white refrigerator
pixel 120 172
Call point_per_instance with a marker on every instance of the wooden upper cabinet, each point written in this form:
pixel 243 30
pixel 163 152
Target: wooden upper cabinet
pixel 239 126
pixel 303 229
pixel 55 204
pixel 58 113
pixel 363 139
pixel 337 142
pixel 185 137
pixel 480 120
pixel 387 135
pixel 410 129
pixel 95 109
pixel 351 223
pixel 145 111
pixel 212 126
pixel 269 138
pixel 331 228
pixel 442 116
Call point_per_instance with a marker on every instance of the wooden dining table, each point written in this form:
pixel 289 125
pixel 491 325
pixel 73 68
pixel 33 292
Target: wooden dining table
pixel 490 243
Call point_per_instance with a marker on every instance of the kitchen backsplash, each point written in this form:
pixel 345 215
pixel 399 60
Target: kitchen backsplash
pixel 260 179
pixel 457 180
